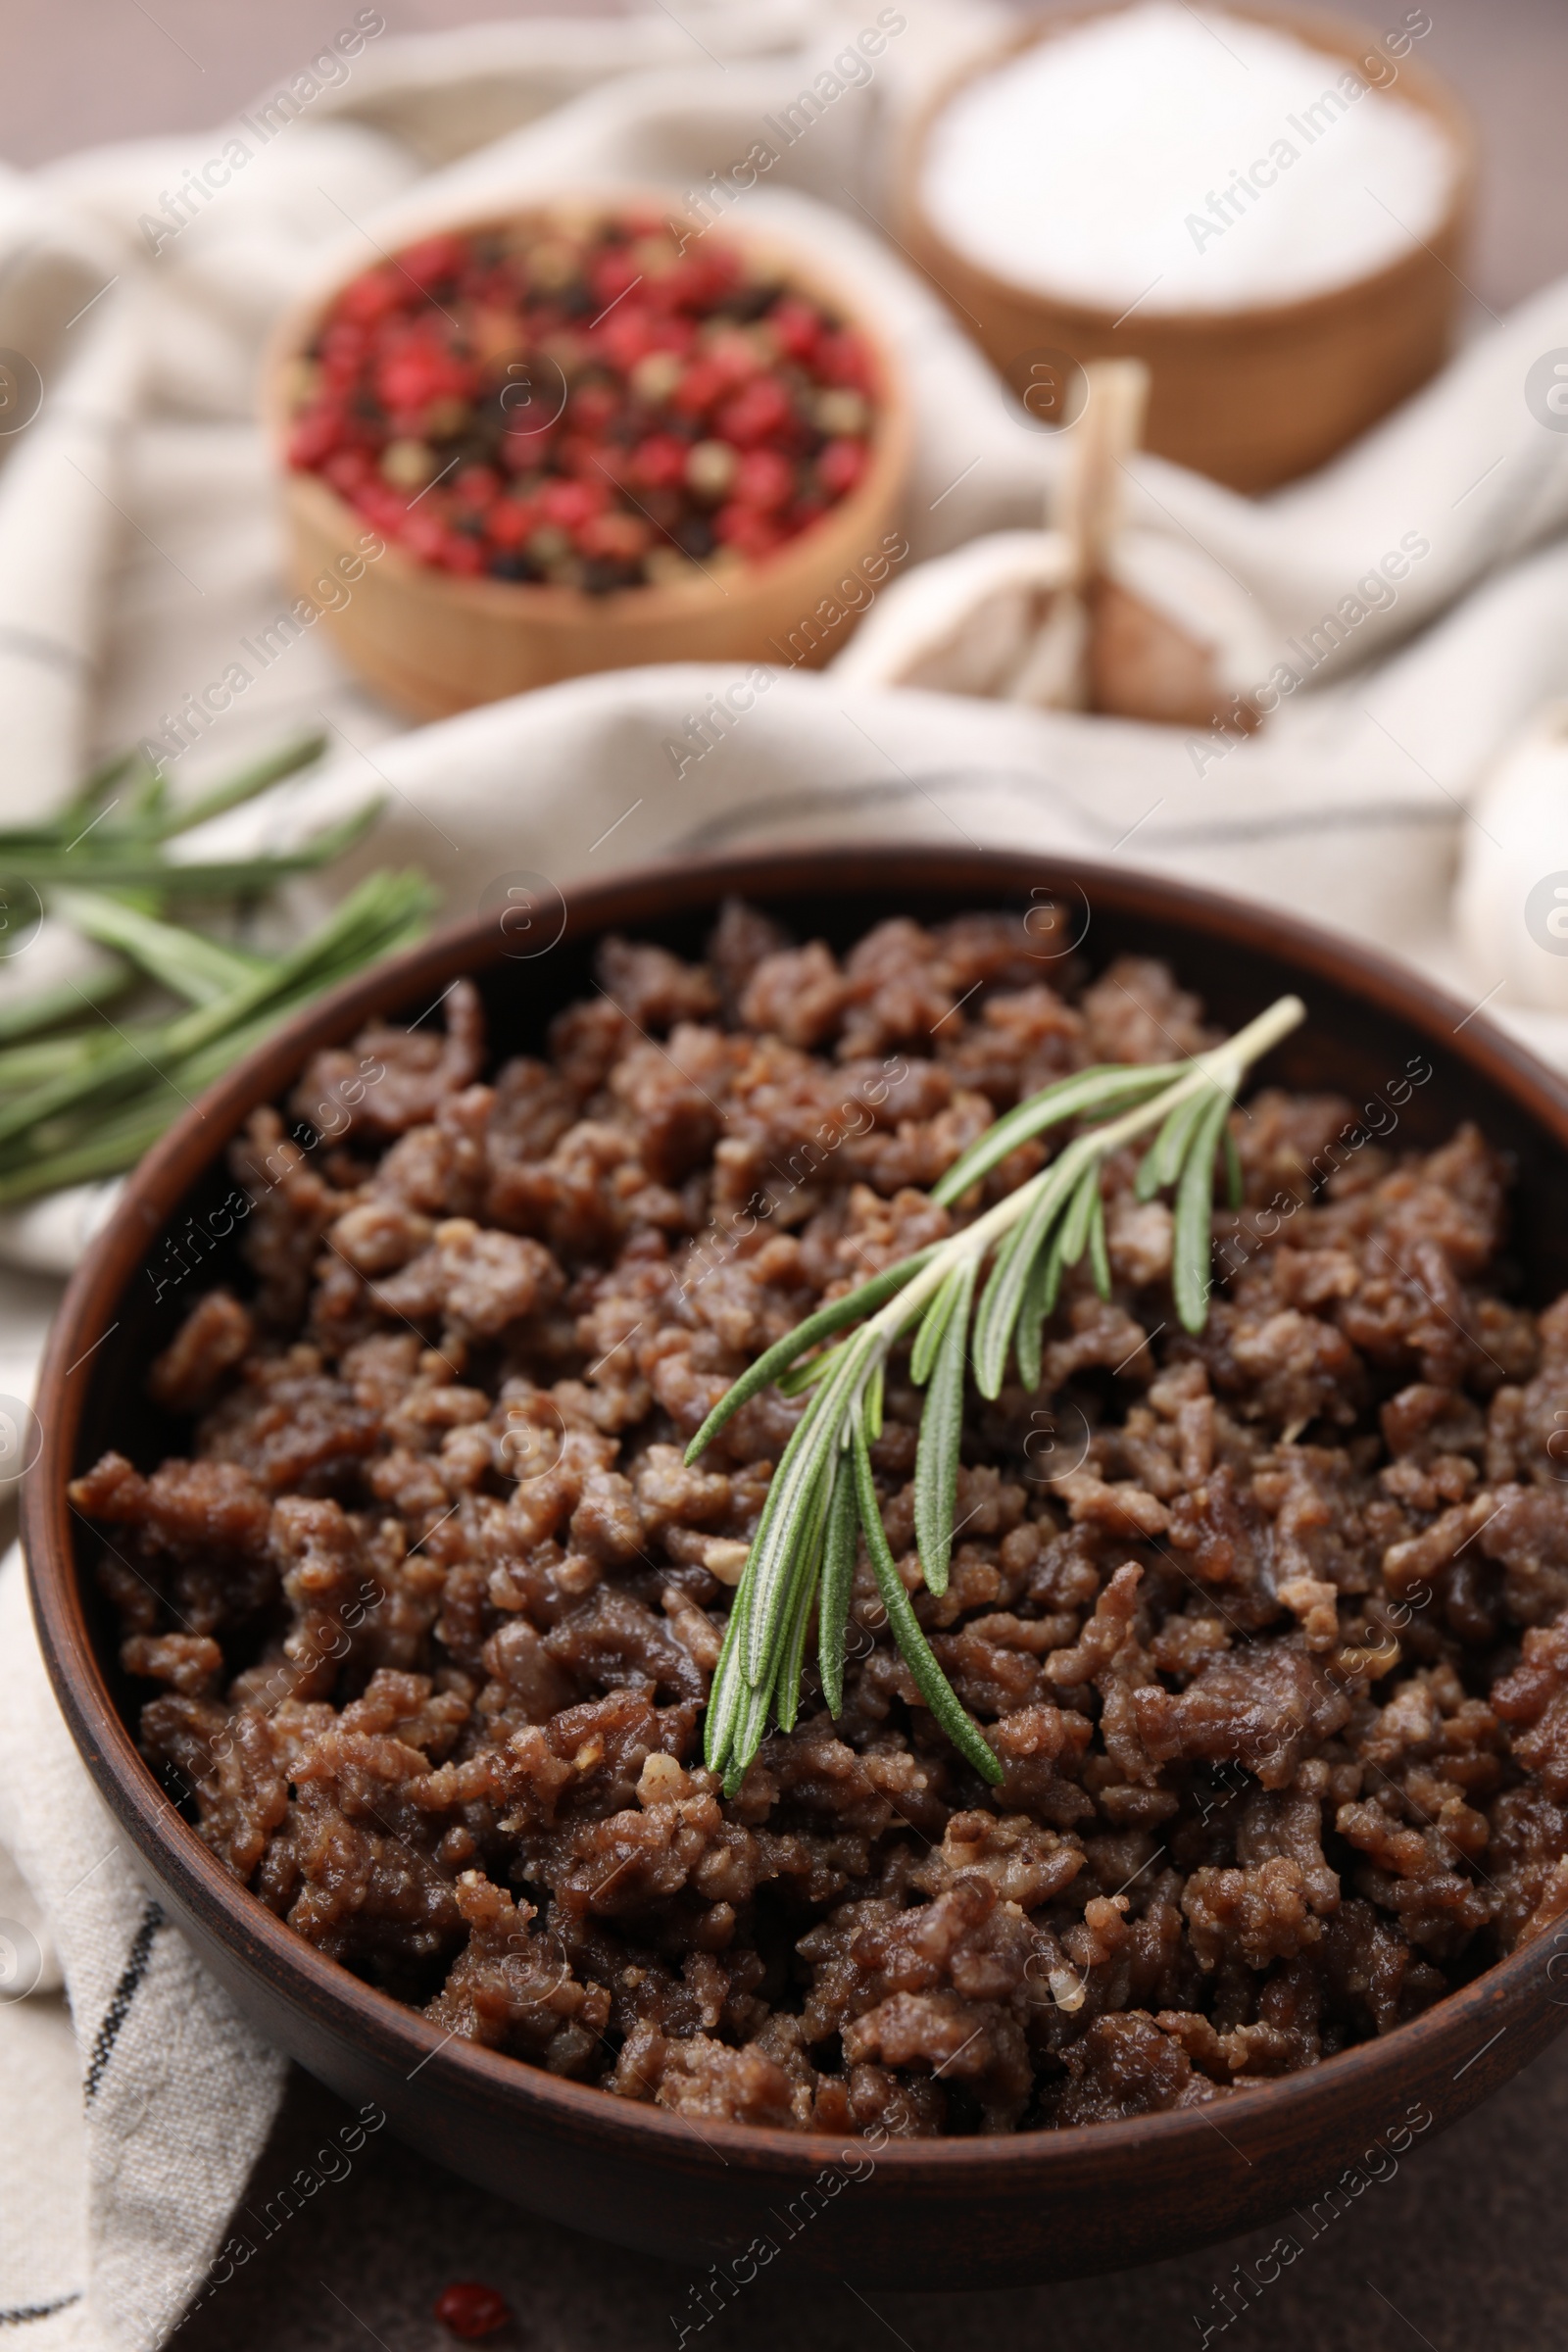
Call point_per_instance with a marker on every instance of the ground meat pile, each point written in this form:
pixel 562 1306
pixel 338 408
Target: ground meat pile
pixel 1269 1627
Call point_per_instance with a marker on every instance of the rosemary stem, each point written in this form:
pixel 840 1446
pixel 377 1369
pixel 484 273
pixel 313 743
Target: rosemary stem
pixel 1221 1066
pixel 823 1484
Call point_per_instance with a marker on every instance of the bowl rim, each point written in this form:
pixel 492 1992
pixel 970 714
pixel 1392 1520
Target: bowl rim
pixel 891 444
pixel 370 2019
pixel 1334 36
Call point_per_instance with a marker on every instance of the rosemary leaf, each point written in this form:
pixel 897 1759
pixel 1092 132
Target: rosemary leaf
pixel 991 1322
pixel 246 786
pixel 838 1583
pixel 751 1730
pixel 121 1069
pixel 928 1339
pixel 941 1440
pixel 789 1511
pixel 1110 1086
pixel 90 794
pixel 1038 1300
pixel 1235 1182
pixel 1162 1162
pixel 139 862
pixel 1079 1215
pixel 192 966
pixel 783 1352
pixel 871 1403
pixel 803 1376
pixel 725 1692
pixel 1191 1242
pixel 798 1615
pixel 930 1681
pixel 67 1001
pixel 1098 1248
pixel 1003 1297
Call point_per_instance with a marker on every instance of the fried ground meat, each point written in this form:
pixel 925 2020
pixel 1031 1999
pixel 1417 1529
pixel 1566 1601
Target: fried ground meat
pixel 1268 1626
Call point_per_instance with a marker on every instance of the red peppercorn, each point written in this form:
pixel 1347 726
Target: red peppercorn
pixel 840 466
pixel 713 270
pixel 417 375
pixel 371 298
pixel 699 388
pixel 511 521
pixel 475 487
pixel 344 343
pixel 585 457
pixel 570 505
pixel 470 2309
pixel 749 533
pixel 763 479
pixel 614 273
pixel 621 538
pixel 796 325
pixel 592 405
pixel 842 358
pixel 383 505
pixel 424 531
pixel 755 414
pixel 735 356
pixel 659 461
pixel 316 435
pixel 435 258
pixel 348 471
pixel 526 450
pixel 460 553
pixel 625 335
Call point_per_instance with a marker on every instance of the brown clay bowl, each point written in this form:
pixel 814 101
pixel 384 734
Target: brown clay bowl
pixel 972 2212
pixel 1252 397
pixel 435 643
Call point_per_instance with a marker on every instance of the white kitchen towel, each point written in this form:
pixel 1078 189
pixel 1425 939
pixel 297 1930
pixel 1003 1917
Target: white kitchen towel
pixel 138 546
pixel 125 2144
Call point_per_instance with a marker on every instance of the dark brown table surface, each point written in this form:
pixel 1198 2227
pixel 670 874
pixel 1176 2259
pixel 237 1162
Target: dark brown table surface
pixel 1464 2251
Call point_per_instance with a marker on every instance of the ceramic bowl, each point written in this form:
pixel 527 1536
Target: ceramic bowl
pixel 948 2213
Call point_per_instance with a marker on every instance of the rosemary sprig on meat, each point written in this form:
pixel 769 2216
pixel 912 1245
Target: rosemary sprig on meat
pixel 824 1493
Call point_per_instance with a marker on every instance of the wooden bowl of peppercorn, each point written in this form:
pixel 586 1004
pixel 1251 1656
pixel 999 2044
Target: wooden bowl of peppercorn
pixel 583 436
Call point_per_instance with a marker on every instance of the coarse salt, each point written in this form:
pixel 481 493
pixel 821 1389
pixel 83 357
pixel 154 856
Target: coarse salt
pixel 1184 162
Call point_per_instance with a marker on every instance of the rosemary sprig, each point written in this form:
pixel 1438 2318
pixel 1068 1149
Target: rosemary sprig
pixel 82 1092
pixel 824 1493
pixel 111 839
pixel 105 1097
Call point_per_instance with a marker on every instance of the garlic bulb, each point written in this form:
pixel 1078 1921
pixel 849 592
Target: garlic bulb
pixel 1091 616
pixel 1175 638
pixel 999 617
pixel 1511 901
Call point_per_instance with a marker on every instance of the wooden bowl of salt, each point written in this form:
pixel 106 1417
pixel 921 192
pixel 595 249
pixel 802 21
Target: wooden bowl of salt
pixel 1269 207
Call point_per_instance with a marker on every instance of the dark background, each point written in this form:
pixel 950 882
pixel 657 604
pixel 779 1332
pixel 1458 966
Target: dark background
pixel 1464 2251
